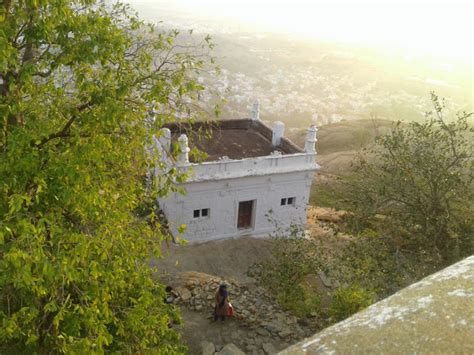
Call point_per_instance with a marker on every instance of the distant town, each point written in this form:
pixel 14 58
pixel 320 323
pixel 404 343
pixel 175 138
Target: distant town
pixel 302 82
pixel 325 90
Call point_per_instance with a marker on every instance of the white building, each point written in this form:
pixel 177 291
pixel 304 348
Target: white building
pixel 254 181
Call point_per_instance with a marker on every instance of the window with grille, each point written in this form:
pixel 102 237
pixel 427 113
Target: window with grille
pixel 201 213
pixel 288 201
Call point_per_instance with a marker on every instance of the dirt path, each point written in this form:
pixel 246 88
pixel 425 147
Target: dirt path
pixel 228 258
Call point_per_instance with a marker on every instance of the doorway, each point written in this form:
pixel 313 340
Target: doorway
pixel 244 220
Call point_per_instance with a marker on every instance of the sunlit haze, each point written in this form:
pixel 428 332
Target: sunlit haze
pixel 440 28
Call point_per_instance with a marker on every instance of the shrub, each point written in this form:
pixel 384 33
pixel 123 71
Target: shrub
pixel 349 300
pixel 420 177
pixel 299 301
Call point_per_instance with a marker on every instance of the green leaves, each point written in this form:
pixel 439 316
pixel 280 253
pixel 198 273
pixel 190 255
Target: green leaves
pixel 77 82
pixel 15 203
pixel 411 202
pixel 349 300
pixel 421 176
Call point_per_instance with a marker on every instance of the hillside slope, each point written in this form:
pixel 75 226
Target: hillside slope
pixel 338 143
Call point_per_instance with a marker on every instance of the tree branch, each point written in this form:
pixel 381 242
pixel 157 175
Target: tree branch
pixel 64 132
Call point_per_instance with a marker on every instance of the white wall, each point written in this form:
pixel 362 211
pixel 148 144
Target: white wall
pixel 223 197
pixel 236 168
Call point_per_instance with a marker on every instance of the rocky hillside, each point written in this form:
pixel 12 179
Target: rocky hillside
pixel 338 143
pixel 259 326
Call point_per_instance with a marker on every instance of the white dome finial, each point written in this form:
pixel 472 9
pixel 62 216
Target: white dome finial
pixel 256 110
pixel 183 155
pixel 310 144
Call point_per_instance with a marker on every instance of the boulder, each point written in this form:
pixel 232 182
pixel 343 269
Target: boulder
pixel 274 326
pixel 231 349
pixel 268 348
pixel 207 348
pixel 263 332
pixel 250 348
pixel 184 293
pixel 250 340
pixel 324 279
pixel 285 333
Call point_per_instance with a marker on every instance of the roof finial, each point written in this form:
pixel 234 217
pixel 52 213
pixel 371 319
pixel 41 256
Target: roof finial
pixel 183 155
pixel 165 138
pixel 278 132
pixel 310 144
pixel 256 110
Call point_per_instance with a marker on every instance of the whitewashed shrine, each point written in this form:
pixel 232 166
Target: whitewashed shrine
pixel 254 181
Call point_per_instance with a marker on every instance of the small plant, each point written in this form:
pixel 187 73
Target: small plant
pixel 299 301
pixel 349 300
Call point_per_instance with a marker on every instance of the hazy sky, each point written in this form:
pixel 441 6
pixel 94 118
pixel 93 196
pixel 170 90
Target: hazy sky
pixel 444 28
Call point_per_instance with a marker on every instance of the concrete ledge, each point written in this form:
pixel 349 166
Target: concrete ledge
pixel 434 315
pixel 258 166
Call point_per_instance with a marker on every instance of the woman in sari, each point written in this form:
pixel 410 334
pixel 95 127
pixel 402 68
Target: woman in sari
pixel 221 309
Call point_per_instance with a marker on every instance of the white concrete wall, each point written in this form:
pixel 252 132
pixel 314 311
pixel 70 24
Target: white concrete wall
pixel 222 197
pixel 237 168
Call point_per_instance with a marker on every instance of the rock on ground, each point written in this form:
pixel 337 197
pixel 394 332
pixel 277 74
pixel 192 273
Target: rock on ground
pixel 208 348
pixel 269 349
pixel 231 349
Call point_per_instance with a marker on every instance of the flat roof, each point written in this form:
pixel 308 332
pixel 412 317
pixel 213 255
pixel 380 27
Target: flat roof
pixel 236 139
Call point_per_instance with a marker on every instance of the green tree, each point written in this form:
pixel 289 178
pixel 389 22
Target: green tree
pixel 418 182
pixel 77 79
pixel 411 199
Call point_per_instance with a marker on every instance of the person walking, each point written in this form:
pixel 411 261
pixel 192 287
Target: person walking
pixel 221 309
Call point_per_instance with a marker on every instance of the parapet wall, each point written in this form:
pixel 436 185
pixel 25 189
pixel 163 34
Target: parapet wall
pixel 287 146
pixel 272 164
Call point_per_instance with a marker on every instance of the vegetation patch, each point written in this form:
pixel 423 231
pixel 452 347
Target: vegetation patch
pixel 410 213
